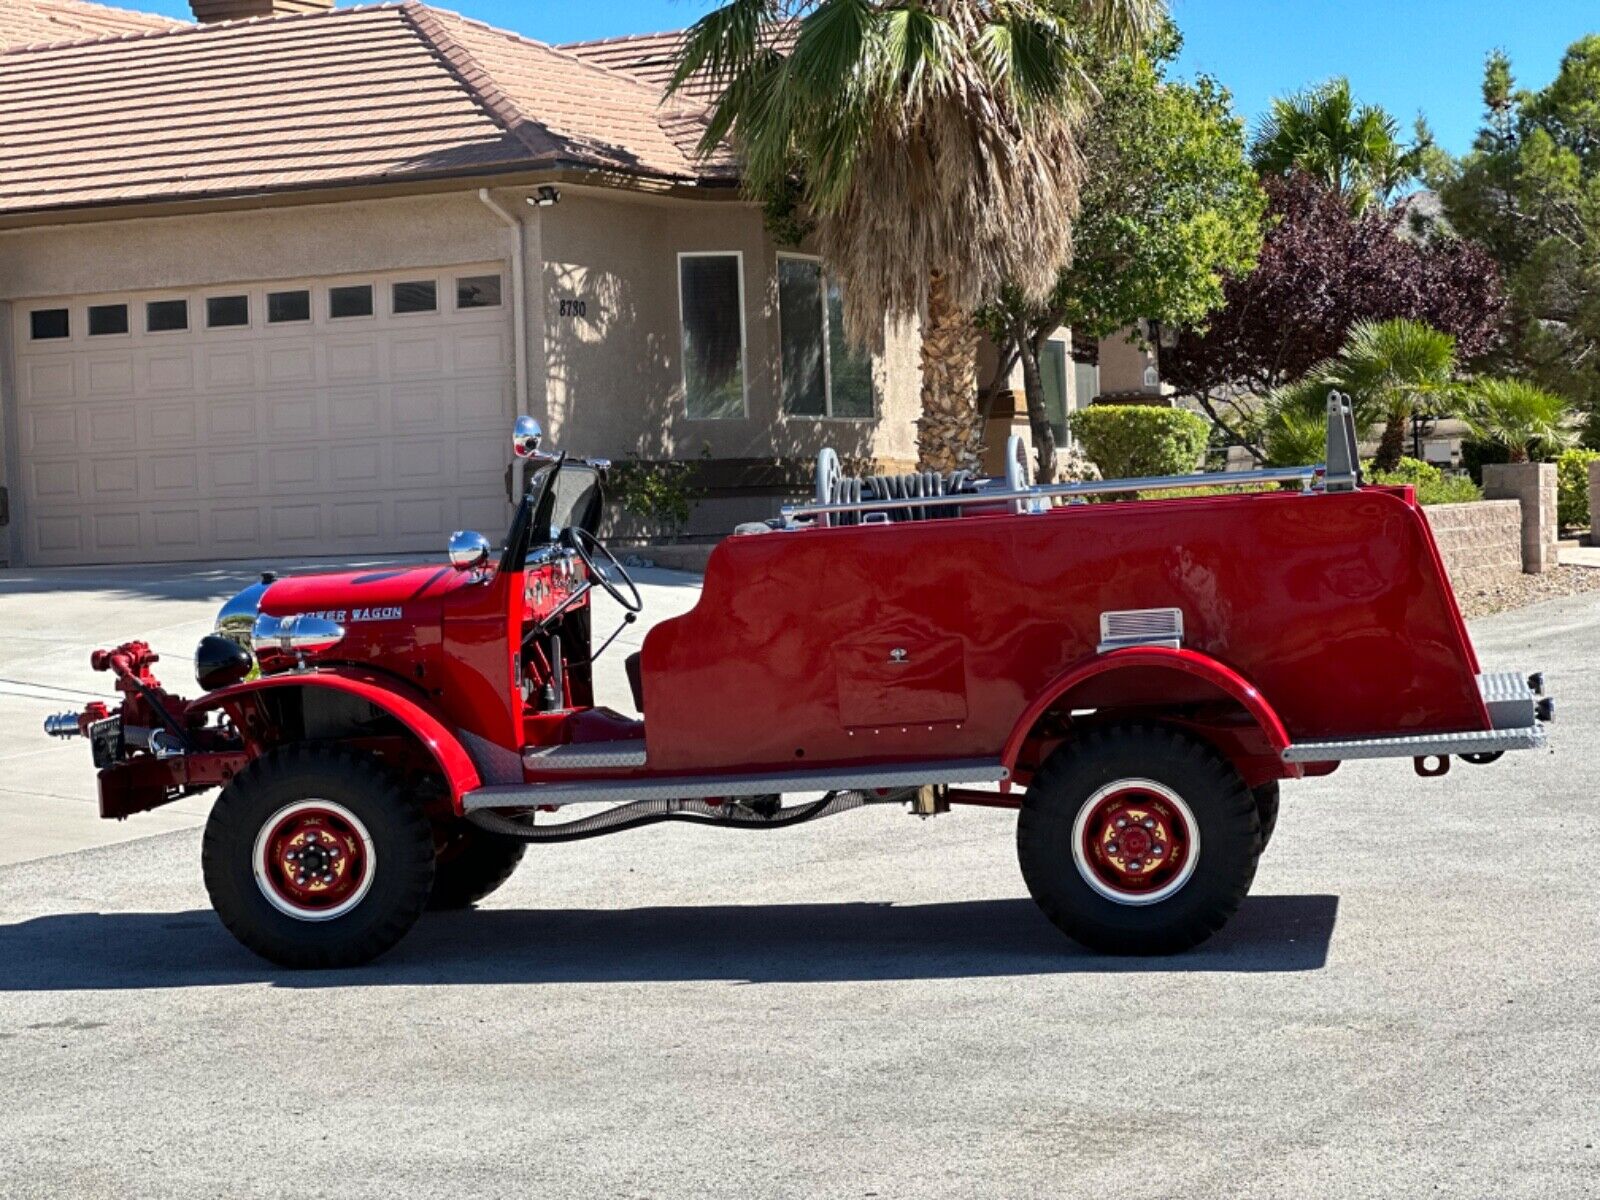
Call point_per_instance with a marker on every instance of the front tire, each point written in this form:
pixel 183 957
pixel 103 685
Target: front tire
pixel 1138 840
pixel 471 863
pixel 314 857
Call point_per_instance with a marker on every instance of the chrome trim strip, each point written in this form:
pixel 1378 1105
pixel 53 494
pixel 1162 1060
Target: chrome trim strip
pixel 1482 741
pixel 588 791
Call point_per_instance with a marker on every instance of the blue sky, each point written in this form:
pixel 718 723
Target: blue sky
pixel 1404 54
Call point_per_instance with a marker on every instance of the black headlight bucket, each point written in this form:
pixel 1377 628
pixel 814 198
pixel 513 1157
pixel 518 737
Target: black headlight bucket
pixel 219 661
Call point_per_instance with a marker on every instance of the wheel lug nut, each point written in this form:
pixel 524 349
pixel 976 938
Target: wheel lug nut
pixel 1149 824
pixel 1122 822
pixel 1155 851
pixel 1112 848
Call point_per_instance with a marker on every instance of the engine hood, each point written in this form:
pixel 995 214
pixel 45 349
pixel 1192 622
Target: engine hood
pixel 408 594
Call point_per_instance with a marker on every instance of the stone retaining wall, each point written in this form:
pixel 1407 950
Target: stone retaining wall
pixel 1480 542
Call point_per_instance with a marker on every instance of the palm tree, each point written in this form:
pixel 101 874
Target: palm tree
pixel 1354 149
pixel 1517 415
pixel 1392 370
pixel 934 146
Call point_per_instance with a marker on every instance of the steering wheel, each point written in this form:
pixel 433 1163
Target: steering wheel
pixel 589 548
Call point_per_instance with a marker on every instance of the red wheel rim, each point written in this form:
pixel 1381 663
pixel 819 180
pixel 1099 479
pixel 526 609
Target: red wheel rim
pixel 1135 841
pixel 314 860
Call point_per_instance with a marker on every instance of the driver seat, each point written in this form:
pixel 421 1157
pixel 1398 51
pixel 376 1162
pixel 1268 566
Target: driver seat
pixel 635 680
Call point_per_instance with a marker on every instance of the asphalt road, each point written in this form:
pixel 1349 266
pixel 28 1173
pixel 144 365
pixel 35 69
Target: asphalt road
pixel 869 1006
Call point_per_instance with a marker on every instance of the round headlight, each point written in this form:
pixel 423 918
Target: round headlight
pixel 219 661
pixel 237 619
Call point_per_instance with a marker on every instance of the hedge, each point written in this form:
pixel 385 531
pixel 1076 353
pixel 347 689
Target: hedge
pixel 1433 485
pixel 1129 440
pixel 1572 488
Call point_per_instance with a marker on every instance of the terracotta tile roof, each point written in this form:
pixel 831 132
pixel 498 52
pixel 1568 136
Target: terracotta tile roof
pixel 651 57
pixel 357 95
pixel 42 22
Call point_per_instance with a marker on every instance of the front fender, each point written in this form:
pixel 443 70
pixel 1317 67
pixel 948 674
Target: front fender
pixel 424 723
pixel 1188 662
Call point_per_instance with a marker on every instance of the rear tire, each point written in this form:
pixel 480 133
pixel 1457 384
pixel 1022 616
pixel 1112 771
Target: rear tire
pixel 1138 840
pixel 471 864
pixel 314 857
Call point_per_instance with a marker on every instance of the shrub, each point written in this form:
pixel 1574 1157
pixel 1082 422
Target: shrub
pixel 1433 485
pixel 1128 440
pixel 659 492
pixel 1572 488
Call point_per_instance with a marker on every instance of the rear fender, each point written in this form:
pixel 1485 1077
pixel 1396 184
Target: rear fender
pixel 1146 679
pixel 419 719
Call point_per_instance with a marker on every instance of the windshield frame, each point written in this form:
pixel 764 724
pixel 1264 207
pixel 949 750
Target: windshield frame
pixel 538 507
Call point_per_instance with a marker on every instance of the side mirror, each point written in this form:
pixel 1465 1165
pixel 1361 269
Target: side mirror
pixel 525 437
pixel 469 550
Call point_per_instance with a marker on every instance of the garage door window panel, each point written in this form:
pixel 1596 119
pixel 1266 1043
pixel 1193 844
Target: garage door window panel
pixel 478 291
pixel 711 321
pixel 414 296
pixel 227 312
pixel 288 308
pixel 345 303
pixel 49 324
pixel 108 320
pixel 166 316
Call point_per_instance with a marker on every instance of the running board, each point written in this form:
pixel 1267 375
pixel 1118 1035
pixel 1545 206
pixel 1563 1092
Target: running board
pixel 685 787
pixel 1424 745
pixel 585 756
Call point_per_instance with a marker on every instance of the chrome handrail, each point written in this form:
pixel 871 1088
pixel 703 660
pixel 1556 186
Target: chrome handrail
pixel 1309 478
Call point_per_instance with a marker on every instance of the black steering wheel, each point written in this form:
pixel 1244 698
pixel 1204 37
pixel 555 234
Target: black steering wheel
pixel 589 548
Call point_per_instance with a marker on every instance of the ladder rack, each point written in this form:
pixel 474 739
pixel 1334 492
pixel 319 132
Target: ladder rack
pixel 1340 473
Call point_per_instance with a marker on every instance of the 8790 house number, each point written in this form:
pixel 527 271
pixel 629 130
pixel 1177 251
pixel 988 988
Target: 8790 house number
pixel 574 308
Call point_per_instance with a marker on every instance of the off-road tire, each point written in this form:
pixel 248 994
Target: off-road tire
pixel 402 869
pixel 1223 808
pixel 470 864
pixel 1267 809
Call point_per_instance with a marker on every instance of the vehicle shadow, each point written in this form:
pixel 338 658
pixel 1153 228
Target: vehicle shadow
pixel 762 943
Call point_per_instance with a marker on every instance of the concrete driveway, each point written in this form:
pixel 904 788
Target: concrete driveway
pixel 1408 1004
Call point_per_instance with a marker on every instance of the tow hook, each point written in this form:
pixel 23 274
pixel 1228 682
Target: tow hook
pixel 1545 710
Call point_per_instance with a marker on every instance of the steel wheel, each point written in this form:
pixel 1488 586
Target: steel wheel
pixel 314 860
pixel 1135 841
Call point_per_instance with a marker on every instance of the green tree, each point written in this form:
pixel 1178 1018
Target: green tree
pixel 1517 415
pixel 1529 191
pixel 1353 149
pixel 935 148
pixel 1170 209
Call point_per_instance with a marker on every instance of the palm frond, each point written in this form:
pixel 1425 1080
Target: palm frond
pixel 1519 416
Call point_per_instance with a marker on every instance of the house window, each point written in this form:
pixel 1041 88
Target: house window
pixel 352 301
pixel 166 316
pixel 478 291
pixel 107 319
pixel 711 317
pixel 47 324
pixel 225 311
pixel 1085 383
pixel 421 296
pixel 823 376
pixel 1053 372
pixel 285 307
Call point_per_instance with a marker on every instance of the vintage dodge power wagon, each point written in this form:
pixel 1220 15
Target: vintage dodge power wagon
pixel 1135 677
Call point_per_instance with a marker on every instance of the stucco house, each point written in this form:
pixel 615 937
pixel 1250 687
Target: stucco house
pixel 275 282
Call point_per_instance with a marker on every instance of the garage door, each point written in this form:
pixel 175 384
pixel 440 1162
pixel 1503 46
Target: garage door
pixel 344 416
